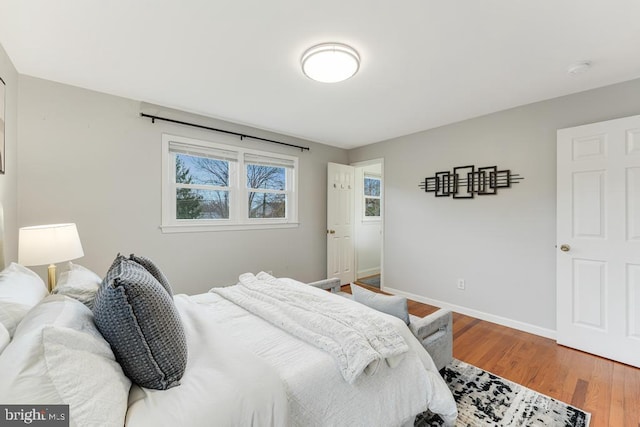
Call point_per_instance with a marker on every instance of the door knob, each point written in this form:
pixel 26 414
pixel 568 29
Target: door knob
pixel 565 248
pixel 331 231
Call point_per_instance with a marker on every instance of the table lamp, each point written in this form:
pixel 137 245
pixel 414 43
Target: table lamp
pixel 49 244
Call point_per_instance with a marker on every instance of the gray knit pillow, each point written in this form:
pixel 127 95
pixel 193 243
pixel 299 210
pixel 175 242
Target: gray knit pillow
pixel 389 304
pixel 138 318
pixel 152 268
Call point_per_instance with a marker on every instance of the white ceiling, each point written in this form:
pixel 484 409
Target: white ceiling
pixel 425 63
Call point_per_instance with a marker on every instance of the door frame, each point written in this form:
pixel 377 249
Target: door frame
pixel 383 198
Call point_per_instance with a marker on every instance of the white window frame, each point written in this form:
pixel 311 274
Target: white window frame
pixel 238 191
pixel 366 218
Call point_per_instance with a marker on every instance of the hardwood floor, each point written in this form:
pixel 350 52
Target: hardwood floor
pixel 610 391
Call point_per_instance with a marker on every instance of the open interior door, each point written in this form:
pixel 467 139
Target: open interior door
pixel 598 239
pixel 340 222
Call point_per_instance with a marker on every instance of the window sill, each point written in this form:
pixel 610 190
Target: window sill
pixel 203 228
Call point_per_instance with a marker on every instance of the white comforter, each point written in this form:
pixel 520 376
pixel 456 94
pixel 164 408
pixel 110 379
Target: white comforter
pixel 223 385
pixel 244 371
pixel 358 339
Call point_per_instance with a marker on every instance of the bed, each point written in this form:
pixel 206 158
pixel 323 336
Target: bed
pixel 243 366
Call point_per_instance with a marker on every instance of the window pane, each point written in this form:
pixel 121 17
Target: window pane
pixel 201 170
pixel 266 177
pixel 371 187
pixel 267 205
pixel 372 207
pixel 201 204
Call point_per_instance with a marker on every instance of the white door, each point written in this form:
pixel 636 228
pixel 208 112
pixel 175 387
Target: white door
pixel 598 232
pixel 340 242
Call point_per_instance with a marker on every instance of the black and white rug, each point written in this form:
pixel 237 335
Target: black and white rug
pixel 485 399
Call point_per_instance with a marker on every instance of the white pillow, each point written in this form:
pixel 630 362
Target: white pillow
pixel 4 337
pixel 20 285
pixel 57 356
pixel 79 283
pixel 11 314
pixel 20 289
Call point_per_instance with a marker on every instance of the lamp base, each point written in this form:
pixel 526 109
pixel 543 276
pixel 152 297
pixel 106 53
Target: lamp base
pixel 51 282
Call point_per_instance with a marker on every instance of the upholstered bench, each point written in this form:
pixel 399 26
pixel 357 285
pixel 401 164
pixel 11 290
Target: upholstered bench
pixel 434 331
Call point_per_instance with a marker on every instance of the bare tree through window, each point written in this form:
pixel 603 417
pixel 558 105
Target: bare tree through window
pixel 215 172
pixel 198 203
pixel 264 204
pixel 371 196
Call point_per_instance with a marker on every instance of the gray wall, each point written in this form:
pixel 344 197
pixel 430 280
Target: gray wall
pixel 88 158
pixel 503 245
pixel 8 181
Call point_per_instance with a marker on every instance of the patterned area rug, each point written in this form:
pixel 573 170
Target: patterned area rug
pixel 485 399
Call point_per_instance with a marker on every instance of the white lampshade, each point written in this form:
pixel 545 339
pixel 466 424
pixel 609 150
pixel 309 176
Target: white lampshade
pixel 48 244
pixel 330 62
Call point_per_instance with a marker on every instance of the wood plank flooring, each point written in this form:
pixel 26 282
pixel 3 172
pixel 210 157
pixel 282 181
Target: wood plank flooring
pixel 610 391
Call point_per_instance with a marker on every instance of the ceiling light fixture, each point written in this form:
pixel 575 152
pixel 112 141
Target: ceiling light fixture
pixel 330 62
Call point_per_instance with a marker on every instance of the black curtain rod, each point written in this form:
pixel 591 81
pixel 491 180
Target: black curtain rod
pixel 241 135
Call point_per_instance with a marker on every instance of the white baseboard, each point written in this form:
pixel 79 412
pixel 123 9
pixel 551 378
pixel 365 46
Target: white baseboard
pixel 504 321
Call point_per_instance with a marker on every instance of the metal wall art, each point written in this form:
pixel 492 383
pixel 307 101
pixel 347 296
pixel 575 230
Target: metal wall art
pixel 467 181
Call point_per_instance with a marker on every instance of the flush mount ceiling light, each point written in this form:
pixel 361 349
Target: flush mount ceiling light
pixel 330 62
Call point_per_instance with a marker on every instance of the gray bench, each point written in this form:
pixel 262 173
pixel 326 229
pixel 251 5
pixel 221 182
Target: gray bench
pixel 434 331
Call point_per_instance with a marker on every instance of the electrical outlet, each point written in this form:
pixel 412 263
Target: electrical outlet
pixel 461 284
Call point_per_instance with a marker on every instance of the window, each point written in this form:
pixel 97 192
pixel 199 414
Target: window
pixel 211 186
pixel 267 186
pixel 372 197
